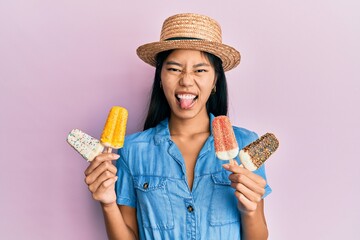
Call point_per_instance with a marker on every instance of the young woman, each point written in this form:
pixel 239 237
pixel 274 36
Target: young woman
pixel 168 183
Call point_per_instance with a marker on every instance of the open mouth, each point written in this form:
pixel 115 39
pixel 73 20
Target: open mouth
pixel 186 101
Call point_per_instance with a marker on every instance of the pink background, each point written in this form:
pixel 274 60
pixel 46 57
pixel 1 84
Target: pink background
pixel 63 64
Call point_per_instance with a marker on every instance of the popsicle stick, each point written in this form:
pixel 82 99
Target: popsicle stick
pixel 109 150
pixel 232 162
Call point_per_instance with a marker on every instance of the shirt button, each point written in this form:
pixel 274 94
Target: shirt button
pixel 190 209
pixel 145 186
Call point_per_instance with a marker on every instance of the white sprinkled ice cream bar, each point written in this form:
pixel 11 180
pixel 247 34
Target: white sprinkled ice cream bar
pixel 86 145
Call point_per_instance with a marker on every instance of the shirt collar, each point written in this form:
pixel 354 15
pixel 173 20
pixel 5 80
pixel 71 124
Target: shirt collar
pixel 162 132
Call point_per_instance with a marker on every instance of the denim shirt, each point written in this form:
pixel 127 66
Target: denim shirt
pixel 152 179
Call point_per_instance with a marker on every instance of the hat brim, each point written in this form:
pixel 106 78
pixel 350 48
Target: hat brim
pixel 230 56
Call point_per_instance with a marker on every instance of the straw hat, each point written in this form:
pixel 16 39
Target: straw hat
pixel 191 31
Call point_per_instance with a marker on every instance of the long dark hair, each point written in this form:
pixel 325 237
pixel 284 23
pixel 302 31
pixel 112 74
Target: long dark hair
pixel 159 108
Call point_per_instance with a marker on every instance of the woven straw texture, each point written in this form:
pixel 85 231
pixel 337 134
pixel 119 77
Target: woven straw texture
pixel 191 31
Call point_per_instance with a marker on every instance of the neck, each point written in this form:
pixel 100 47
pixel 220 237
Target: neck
pixel 199 124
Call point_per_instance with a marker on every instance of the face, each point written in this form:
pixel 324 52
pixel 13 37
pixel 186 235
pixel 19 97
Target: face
pixel 187 78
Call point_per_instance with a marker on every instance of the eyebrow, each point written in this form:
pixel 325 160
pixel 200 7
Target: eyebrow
pixel 173 63
pixel 201 65
pixel 194 66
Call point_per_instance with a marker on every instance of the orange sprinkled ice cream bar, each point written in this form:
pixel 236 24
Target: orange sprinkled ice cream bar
pixel 226 146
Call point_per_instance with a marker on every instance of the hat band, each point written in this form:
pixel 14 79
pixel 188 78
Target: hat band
pixel 182 38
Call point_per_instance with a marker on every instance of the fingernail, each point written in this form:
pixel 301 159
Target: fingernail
pixel 226 166
pixel 116 156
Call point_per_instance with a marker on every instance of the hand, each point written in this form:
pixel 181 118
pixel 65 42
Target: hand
pixel 249 187
pixel 101 178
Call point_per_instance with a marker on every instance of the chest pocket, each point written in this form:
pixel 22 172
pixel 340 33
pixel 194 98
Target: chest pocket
pixel 154 202
pixel 223 207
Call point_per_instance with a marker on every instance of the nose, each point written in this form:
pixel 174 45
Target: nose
pixel 186 79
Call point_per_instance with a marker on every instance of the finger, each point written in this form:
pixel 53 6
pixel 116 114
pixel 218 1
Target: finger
pixel 104 177
pixel 246 204
pixel 100 159
pixel 241 170
pixel 249 194
pixel 248 183
pixel 106 191
pixel 233 168
pixel 106 186
pixel 109 183
pixel 104 166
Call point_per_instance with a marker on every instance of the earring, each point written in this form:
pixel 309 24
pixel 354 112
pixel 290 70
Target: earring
pixel 213 91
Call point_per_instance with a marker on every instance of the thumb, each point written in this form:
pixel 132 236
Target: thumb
pixel 235 168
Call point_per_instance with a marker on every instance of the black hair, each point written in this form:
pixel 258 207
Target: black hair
pixel 159 108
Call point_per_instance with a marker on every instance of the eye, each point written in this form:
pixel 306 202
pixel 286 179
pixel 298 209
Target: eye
pixel 174 70
pixel 200 70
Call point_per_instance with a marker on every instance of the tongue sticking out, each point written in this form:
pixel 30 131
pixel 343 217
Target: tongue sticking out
pixel 186 103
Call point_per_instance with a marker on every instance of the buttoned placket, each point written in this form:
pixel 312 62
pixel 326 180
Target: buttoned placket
pixel 191 226
pixel 190 219
pixel 189 207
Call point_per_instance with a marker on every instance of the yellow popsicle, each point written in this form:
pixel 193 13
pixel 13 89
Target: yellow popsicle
pixel 113 135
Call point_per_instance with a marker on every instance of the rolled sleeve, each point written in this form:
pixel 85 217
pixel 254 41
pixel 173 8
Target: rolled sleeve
pixel 125 194
pixel 261 173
